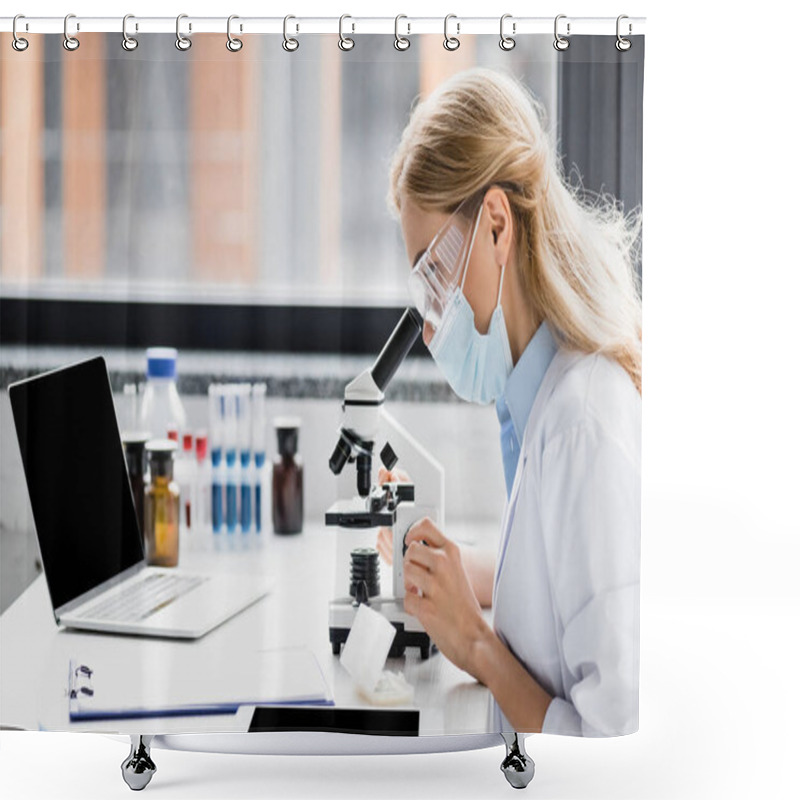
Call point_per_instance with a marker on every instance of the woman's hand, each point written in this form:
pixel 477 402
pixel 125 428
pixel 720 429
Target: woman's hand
pixel 439 594
pixel 384 542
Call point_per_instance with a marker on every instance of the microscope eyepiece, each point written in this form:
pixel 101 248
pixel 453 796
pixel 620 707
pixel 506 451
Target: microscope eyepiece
pixel 397 347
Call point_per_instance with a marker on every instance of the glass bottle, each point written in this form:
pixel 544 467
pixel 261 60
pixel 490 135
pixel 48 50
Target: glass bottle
pixel 135 458
pixel 287 479
pixel 161 505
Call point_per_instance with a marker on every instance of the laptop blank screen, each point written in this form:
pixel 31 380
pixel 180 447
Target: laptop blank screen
pixel 77 480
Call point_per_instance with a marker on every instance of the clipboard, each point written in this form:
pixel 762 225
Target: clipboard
pixel 170 686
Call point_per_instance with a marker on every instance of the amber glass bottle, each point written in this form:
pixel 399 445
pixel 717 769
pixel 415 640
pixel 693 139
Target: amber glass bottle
pixel 287 479
pixel 161 505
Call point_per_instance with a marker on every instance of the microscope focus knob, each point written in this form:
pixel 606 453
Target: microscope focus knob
pixel 388 457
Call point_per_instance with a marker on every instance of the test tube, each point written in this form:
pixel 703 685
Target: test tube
pixel 216 424
pixel 259 445
pixel 229 435
pixel 201 489
pixel 244 432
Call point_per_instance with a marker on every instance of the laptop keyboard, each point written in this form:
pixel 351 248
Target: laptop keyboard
pixel 143 598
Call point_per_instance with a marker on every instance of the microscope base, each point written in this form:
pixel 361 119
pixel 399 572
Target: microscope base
pixel 403 639
pixel 410 632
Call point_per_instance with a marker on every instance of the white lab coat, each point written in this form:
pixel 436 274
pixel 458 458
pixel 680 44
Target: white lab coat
pixel 566 589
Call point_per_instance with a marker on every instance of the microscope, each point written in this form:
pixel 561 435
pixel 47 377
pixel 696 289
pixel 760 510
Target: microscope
pixel 397 505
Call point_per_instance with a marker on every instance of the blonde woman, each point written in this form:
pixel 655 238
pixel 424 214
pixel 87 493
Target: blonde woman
pixel 530 301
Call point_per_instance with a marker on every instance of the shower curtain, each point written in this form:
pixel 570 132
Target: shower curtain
pixel 257 202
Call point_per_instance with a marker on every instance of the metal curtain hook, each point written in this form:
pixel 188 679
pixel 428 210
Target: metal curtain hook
pixel 400 42
pixel 623 44
pixel 18 43
pixel 560 43
pixel 182 42
pixel 507 42
pixel 70 42
pixel 129 43
pixel 451 42
pixel 233 44
pixel 290 44
pixel 345 42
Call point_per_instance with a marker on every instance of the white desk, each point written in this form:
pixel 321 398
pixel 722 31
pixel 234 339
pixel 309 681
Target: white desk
pixel 34 652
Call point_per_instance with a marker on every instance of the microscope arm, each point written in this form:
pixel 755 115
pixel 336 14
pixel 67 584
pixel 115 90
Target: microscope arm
pixel 426 473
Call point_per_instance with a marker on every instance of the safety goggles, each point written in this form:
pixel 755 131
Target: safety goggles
pixel 441 269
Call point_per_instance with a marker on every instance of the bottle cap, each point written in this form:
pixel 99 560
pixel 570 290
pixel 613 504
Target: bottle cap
pixel 287 423
pixel 160 455
pixel 162 362
pixel 188 442
pixel 135 437
pixel 287 440
pixel 133 446
pixel 172 433
pixel 201 443
pixel 134 440
pixel 161 448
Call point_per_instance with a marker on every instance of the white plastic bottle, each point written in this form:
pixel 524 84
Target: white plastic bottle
pixel 161 405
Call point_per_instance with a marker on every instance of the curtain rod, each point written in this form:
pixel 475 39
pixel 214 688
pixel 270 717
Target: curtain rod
pixel 298 25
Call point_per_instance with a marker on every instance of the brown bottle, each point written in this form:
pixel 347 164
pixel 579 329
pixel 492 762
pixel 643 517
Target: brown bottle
pixel 287 479
pixel 161 506
pixel 136 461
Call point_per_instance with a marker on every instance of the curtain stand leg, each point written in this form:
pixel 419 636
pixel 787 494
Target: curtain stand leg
pixel 138 768
pixel 517 766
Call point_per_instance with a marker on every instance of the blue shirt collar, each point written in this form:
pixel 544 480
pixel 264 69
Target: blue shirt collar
pixel 525 379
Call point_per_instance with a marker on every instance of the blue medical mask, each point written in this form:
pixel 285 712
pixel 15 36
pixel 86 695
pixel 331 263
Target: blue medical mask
pixel 476 365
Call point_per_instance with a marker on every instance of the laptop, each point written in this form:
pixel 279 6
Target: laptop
pixel 91 548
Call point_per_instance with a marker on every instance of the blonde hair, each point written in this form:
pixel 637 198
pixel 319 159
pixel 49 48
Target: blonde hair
pixel 576 257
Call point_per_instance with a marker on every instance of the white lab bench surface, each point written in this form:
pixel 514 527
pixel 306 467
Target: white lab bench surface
pixel 34 652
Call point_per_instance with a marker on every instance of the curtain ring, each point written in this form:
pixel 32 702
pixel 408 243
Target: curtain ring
pixel 507 42
pixel 18 43
pixel 70 42
pixel 345 42
pixel 400 42
pixel 233 44
pixel 290 44
pixel 451 42
pixel 560 43
pixel 129 43
pixel 623 44
pixel 182 42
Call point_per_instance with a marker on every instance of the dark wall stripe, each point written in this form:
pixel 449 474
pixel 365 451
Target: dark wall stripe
pixel 276 329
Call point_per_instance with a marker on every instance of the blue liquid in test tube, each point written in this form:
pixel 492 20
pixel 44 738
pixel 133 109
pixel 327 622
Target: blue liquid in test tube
pixel 216 490
pixel 247 503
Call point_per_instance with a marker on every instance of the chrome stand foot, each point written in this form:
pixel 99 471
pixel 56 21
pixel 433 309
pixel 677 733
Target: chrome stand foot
pixel 138 768
pixel 517 766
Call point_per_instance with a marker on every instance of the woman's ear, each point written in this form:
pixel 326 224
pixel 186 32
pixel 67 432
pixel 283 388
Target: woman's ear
pixel 500 221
